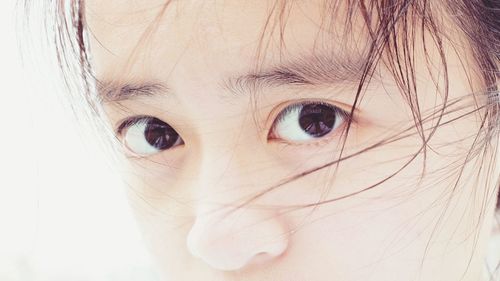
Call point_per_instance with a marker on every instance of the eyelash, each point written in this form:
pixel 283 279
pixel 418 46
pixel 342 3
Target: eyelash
pixel 131 121
pixel 345 115
pixel 169 136
pixel 316 109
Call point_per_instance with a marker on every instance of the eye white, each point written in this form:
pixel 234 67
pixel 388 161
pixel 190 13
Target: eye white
pixel 135 141
pixel 288 128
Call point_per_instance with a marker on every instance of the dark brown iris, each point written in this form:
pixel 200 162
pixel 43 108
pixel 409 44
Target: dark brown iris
pixel 317 119
pixel 160 135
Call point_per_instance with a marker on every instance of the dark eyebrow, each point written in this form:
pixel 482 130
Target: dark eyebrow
pixel 306 70
pixel 314 70
pixel 116 91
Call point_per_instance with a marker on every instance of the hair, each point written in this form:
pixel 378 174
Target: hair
pixel 394 28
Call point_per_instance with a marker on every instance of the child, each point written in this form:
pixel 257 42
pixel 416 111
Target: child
pixel 298 140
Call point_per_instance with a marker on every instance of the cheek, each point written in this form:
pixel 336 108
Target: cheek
pixel 164 221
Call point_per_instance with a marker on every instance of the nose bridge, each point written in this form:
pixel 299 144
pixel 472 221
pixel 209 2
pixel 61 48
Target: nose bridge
pixel 222 164
pixel 223 235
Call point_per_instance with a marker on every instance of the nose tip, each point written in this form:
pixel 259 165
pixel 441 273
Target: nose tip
pixel 238 241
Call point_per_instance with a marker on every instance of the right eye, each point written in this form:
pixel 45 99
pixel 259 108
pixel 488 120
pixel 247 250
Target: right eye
pixel 148 135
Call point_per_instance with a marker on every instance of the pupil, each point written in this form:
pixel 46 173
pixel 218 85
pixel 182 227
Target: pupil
pixel 317 119
pixel 159 134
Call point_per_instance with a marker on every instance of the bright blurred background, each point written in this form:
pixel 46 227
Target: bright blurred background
pixel 63 212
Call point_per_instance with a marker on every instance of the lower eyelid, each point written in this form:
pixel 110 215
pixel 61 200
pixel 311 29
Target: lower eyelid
pixel 328 139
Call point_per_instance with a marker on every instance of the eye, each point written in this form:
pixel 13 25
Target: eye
pixel 307 121
pixel 148 135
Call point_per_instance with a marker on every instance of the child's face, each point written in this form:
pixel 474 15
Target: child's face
pixel 235 131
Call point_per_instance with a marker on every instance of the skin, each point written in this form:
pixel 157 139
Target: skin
pixel 192 201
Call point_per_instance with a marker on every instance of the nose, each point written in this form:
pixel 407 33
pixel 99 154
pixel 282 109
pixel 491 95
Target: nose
pixel 237 240
pixel 224 236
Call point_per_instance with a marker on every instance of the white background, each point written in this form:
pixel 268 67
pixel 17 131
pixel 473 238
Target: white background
pixel 63 213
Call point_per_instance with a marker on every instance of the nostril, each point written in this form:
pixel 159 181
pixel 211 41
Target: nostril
pixel 260 258
pixel 230 245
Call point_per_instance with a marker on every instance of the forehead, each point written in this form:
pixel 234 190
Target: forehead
pixel 150 38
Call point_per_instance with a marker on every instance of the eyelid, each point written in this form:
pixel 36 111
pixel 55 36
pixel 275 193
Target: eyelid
pixel 278 110
pixel 342 106
pixel 130 121
pixel 124 124
pixel 318 142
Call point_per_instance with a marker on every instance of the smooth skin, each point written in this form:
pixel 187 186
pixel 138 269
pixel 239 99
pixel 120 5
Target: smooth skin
pixel 195 201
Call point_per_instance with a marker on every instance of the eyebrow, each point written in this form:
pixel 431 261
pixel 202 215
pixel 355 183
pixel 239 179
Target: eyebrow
pixel 312 70
pixel 112 91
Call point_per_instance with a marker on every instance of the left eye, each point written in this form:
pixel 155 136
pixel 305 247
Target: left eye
pixel 147 135
pixel 306 121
